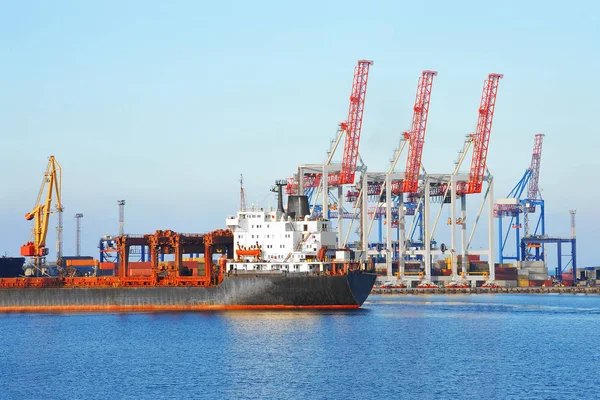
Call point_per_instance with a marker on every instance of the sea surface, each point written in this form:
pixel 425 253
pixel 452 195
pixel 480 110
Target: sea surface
pixel 395 347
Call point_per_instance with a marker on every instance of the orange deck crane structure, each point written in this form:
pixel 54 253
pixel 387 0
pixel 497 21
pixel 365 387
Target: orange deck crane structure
pixel 51 184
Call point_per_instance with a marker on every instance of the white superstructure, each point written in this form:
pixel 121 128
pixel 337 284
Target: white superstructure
pixel 272 241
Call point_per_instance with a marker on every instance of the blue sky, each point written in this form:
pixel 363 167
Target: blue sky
pixel 165 105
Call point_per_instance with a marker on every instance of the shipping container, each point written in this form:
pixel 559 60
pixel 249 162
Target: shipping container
pixel 506 276
pixel 523 281
pixel 107 265
pixel 537 277
pixel 507 283
pixel 80 263
pixel 537 283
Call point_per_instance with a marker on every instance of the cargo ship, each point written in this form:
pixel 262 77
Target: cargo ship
pixel 269 259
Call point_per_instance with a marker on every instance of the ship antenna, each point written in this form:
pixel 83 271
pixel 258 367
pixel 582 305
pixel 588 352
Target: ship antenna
pixel 242 194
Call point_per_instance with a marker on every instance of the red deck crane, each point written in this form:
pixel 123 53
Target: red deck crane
pixel 416 136
pixel 481 138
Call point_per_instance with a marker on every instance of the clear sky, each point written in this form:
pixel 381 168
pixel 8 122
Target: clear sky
pixel 164 104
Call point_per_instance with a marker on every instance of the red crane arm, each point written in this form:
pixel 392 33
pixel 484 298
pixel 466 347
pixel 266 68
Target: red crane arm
pixel 417 132
pixel 482 135
pixel 535 166
pixel 352 127
pixel 354 122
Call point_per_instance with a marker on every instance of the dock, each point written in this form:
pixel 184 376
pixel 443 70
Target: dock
pixel 478 290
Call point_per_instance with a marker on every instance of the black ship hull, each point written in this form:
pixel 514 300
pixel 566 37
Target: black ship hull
pixel 241 292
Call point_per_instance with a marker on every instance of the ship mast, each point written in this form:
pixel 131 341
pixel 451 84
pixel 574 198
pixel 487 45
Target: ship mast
pixel 242 194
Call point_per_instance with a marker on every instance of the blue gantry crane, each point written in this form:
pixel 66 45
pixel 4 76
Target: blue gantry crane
pixel 530 244
pixel 520 211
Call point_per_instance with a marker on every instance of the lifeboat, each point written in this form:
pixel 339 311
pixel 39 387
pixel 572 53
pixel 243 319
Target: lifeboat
pixel 321 254
pixel 247 252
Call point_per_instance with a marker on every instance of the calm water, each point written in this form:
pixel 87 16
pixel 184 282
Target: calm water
pixel 471 346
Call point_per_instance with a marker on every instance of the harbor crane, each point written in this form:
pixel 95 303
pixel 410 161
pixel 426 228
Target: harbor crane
pixel 51 184
pixel 353 125
pixel 481 138
pixel 351 129
pixel 416 135
pixel 513 205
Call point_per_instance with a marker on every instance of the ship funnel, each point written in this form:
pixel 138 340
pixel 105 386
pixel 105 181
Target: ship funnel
pixel 298 206
pixel 279 184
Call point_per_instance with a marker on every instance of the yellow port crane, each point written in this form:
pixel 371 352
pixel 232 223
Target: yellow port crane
pixel 52 182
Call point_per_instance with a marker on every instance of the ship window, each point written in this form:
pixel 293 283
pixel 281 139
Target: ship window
pixel 267 225
pixel 305 227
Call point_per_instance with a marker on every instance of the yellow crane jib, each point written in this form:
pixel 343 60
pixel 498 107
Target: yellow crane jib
pixel 51 184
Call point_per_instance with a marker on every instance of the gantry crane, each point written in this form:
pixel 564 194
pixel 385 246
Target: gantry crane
pixel 416 141
pixel 392 186
pixel 51 184
pixel 513 205
pixel 456 185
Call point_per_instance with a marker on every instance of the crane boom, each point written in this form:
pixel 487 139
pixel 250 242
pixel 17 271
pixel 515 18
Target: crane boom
pixel 481 138
pixel 51 183
pixel 352 128
pixel 417 132
pixel 536 158
pixel 353 125
pixel 482 134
